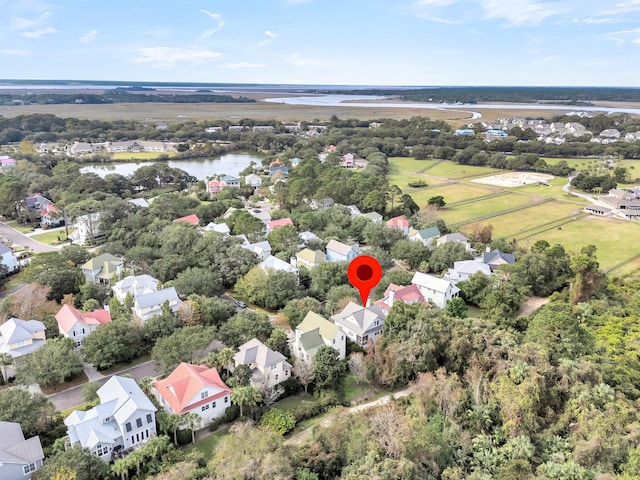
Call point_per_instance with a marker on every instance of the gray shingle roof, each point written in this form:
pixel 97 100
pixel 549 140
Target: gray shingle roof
pixel 156 298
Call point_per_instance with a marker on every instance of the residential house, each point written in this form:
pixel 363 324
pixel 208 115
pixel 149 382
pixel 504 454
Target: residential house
pixel 135 285
pixel 495 258
pixel 274 263
pixel 393 293
pixel 375 217
pixel 81 148
pixel 292 127
pixel 86 228
pixel 215 186
pixel 237 128
pixel 149 304
pixel 194 389
pixel 103 268
pixel 597 210
pixel 278 166
pixel 340 252
pixel 494 134
pixel 7 163
pixel 362 325
pixel 401 223
pixel 21 337
pixel 463 269
pixel 253 180
pixel 19 458
pixel 263 128
pixel 213 129
pixel 464 131
pixel 310 258
pixel 454 238
pixel 139 202
pixel 278 176
pixel 230 180
pixel 222 228
pixel 267 366
pixel 347 161
pixel 41 210
pixel 8 259
pixel 427 235
pixel 308 236
pixel 48 147
pixel 261 249
pixel 76 325
pixel 315 331
pixel 322 204
pixel 125 418
pixel 354 211
pixel 611 133
pixel 273 224
pixel 190 219
pixel 436 291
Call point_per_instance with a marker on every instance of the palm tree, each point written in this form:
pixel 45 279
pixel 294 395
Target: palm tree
pixel 5 360
pixel 145 384
pixel 170 422
pixel 193 421
pixel 225 359
pixel 246 396
pixel 121 467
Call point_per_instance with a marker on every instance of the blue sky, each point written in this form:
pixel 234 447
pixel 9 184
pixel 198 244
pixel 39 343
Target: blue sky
pixel 374 42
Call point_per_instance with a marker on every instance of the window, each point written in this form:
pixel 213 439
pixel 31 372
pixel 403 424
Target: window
pixel 333 341
pixel 138 422
pixel 286 372
pixel 74 333
pixel 100 450
pixel 226 399
pixel 137 437
pixel 341 337
pixel 149 419
pixel 128 426
pixel 106 419
pixel 205 407
pixel 213 405
pixel 27 469
pixel 276 376
pixel 204 394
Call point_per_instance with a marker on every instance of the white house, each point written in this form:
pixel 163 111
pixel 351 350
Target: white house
pixel 462 270
pixel 274 263
pixel 124 418
pixel 266 364
pixel 194 389
pixel 340 252
pixel 149 304
pixel 261 249
pixel 426 236
pixel 136 285
pixel 8 259
pixel 253 180
pixel 76 325
pixel 454 238
pixel 86 228
pixel 360 324
pixel 315 331
pixel 21 337
pixel 222 228
pixel 19 458
pixel 436 291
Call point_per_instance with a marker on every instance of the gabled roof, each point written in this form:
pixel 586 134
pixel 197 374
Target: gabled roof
pixel 218 227
pixel 408 294
pixel 279 223
pixel 470 267
pixel 431 282
pixel 4 249
pixel 157 298
pixel 135 281
pixel 99 262
pixel 312 321
pixel 254 351
pixel 358 318
pixel 398 222
pixel 311 256
pixel 15 449
pixel 139 202
pixel 372 216
pixel 192 219
pixel 427 233
pixel 452 237
pixel 496 257
pixel 253 179
pixel 307 236
pixel 275 263
pixel 15 330
pixel 229 179
pixel 341 248
pixel 68 316
pixel 181 387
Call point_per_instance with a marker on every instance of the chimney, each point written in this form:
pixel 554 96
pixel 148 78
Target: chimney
pixel 368 304
pixel 392 297
pixel 488 249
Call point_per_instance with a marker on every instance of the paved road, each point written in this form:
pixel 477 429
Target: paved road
pixel 11 291
pixel 20 239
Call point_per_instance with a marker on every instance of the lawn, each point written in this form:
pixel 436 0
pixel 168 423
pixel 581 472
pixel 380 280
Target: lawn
pixel 454 171
pixel 19 227
pixel 123 366
pixel 611 236
pixel 50 238
pixel 207 444
pixel 452 193
pixel 553 191
pixel 251 306
pixel 577 163
pixel 631 267
pixel 141 155
pixel 291 402
pixel 482 208
pixel 409 164
pixel 512 223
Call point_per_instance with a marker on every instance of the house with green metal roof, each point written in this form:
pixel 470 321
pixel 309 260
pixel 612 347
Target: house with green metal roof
pixel 310 258
pixel 375 217
pixel 427 235
pixel 103 268
pixel 314 332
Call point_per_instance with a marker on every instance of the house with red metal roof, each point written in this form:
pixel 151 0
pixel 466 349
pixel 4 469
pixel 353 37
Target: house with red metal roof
pixel 194 388
pixel 272 225
pixel 192 219
pixel 76 325
pixel 399 293
pixel 400 223
pixel 215 186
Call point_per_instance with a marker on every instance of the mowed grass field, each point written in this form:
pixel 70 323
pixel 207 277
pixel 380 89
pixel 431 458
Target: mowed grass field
pixel 540 210
pixel 140 155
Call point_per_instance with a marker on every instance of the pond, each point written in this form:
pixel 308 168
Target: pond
pixel 201 168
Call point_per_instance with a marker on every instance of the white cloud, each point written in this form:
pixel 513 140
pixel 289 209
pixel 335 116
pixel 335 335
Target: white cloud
pixel 298 60
pixel 211 14
pixel 431 10
pixel 594 20
pixel 270 37
pixel 38 32
pixel 243 65
pixel 167 56
pixel 21 23
pixel 518 12
pixel 270 34
pixel 15 52
pixel 212 31
pixel 90 36
pixel 624 36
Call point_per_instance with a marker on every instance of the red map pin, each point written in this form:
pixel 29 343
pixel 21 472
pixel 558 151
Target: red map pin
pixel 364 273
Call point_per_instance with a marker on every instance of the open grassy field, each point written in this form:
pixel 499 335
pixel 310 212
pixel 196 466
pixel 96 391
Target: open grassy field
pixel 140 155
pixel 469 211
pixel 457 192
pixel 55 237
pixel 513 223
pixel 552 191
pixel 611 236
pixel 454 171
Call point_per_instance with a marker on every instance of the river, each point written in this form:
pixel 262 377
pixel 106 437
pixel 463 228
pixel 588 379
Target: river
pixel 201 168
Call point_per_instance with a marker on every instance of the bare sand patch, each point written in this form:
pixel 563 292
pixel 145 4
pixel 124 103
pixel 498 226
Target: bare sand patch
pixel 515 179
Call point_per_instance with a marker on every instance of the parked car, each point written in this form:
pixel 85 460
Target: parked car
pixel 241 304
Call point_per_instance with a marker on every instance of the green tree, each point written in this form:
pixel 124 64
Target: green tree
pixel 295 310
pixel 52 364
pixel 278 341
pixel 284 240
pixel 278 420
pixel 243 327
pixel 5 360
pixel 270 289
pixel 33 411
pixel 115 342
pixel 457 307
pixel 379 235
pixel 329 370
pixel 411 252
pixel 247 395
pixel 169 423
pixel 443 256
pixel 198 281
pixel 437 201
pixel 160 326
pixel 216 311
pixel 12 191
pixel 193 421
pixel 474 288
pixel 81 461
pixel 327 275
pixel 184 345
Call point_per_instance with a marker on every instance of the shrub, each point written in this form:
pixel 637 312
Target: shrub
pixel 231 413
pixel 278 421
pixel 417 183
pixel 184 436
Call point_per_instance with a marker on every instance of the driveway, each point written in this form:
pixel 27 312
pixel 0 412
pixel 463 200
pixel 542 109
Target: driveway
pixel 18 238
